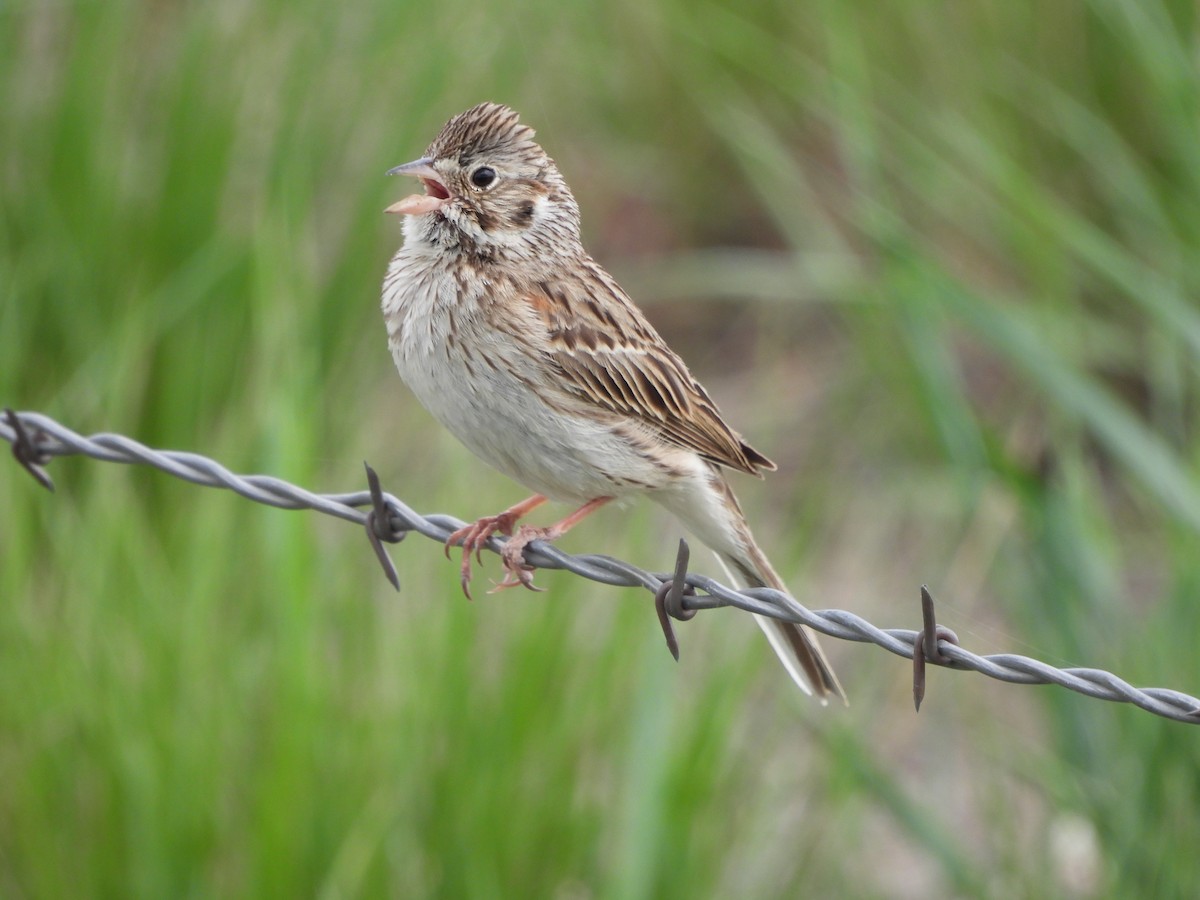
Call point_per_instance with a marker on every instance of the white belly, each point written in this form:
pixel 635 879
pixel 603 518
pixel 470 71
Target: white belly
pixel 465 373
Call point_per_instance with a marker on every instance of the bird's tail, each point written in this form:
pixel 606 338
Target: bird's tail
pixel 715 517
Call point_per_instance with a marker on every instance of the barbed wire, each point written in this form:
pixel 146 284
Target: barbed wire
pixel 37 438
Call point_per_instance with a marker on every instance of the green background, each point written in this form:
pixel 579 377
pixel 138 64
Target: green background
pixel 938 260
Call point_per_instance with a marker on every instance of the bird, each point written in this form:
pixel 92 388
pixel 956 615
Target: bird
pixel 528 351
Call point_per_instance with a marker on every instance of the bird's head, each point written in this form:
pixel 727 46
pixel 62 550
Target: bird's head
pixel 490 190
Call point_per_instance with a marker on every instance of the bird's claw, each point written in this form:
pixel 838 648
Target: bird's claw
pixel 516 570
pixel 520 576
pixel 473 538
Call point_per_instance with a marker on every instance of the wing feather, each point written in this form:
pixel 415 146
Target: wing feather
pixel 609 355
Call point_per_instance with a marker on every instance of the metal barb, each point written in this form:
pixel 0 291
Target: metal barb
pixel 925 646
pixel 26 451
pixel 52 438
pixel 379 528
pixel 668 599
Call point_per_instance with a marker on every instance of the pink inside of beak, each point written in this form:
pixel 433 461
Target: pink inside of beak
pixel 418 204
pixel 434 188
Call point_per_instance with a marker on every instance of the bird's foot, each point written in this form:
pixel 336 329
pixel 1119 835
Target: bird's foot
pixel 516 570
pixel 474 537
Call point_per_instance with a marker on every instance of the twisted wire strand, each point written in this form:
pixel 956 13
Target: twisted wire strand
pixel 44 438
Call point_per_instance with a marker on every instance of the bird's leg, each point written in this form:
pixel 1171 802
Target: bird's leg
pixel 475 536
pixel 516 570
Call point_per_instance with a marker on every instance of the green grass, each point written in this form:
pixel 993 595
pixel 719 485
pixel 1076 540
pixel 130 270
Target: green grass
pixel 938 262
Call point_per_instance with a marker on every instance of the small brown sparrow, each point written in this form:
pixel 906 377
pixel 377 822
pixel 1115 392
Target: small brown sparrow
pixel 520 343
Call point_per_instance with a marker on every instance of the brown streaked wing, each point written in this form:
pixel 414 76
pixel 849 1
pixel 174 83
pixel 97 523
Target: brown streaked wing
pixel 608 353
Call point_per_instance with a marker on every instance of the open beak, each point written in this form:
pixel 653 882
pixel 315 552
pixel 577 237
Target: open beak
pixel 435 195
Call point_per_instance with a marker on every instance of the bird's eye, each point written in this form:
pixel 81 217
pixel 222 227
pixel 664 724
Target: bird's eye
pixel 483 176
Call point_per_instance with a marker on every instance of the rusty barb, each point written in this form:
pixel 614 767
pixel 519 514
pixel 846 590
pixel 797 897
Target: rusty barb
pixel 378 524
pixel 25 450
pixel 925 647
pixel 36 438
pixel 668 599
